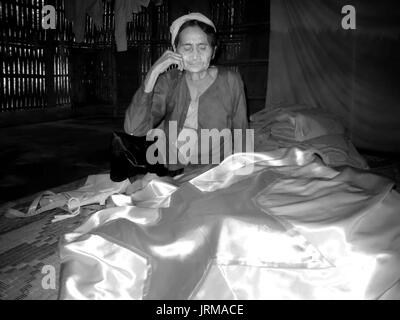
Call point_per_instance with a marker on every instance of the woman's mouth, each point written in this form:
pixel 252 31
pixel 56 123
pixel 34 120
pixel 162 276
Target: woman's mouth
pixel 197 64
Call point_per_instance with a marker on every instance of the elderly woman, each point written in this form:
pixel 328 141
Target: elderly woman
pixel 191 97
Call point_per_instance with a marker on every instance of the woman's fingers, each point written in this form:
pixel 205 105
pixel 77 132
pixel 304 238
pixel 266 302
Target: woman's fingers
pixel 160 66
pixel 170 60
pixel 178 60
pixel 168 55
pixel 172 53
pixel 180 64
pixel 177 56
pixel 167 59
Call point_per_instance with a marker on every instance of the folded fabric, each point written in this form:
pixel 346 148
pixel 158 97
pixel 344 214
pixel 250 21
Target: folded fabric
pixel 45 201
pixel 337 150
pixel 334 150
pixel 298 125
pixel 150 191
pixel 292 229
pixel 304 125
pixel 95 191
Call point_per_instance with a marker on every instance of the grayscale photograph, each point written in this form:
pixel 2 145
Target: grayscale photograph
pixel 221 151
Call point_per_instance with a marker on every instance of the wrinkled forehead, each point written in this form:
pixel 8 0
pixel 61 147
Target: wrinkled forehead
pixel 193 35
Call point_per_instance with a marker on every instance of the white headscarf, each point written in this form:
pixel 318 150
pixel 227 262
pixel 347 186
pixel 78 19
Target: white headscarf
pixel 176 25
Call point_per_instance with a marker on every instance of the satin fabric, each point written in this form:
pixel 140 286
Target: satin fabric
pixel 302 126
pixel 272 225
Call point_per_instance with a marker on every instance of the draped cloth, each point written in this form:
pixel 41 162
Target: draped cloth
pixel 76 10
pixel 124 10
pixel 352 73
pixel 272 225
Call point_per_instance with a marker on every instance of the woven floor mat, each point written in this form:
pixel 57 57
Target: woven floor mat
pixel 26 250
pixel 27 245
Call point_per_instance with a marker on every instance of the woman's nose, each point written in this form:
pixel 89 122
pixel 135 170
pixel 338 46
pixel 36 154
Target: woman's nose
pixel 195 54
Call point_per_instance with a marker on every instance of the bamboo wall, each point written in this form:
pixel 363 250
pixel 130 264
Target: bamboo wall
pixel 45 68
pixel 22 54
pixel 36 69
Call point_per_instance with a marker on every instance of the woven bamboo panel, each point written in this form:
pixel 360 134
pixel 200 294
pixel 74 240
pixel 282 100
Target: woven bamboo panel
pixel 31 57
pixel 62 82
pixel 23 76
pixel 36 68
pixel 22 62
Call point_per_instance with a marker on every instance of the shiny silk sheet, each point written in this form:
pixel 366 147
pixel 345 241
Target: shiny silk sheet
pixel 272 225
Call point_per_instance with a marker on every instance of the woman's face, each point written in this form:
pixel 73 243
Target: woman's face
pixel 194 47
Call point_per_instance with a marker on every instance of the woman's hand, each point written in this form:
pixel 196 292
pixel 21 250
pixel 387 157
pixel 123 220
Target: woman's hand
pixel 161 65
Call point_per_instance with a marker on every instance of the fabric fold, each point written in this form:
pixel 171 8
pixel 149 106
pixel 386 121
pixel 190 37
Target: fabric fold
pixel 290 227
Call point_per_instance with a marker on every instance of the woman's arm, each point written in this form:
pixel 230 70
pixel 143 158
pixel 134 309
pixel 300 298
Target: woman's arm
pixel 148 105
pixel 146 109
pixel 239 117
